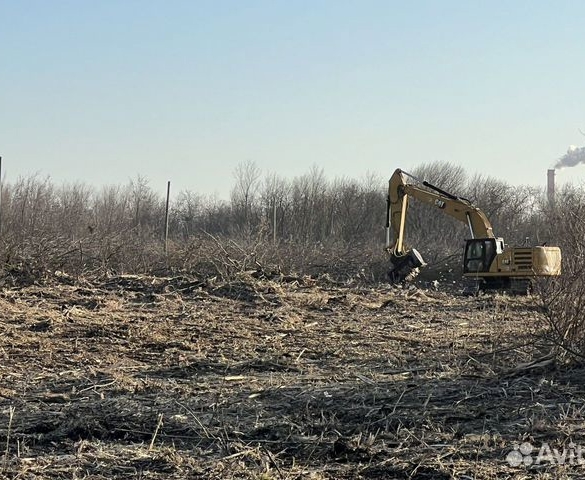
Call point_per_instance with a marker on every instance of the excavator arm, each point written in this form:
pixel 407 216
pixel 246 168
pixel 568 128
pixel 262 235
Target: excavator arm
pixel 405 261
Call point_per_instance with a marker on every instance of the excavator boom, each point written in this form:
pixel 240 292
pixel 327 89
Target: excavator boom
pixel 457 207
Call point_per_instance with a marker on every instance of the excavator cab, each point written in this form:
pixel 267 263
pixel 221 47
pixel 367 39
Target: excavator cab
pixel 480 253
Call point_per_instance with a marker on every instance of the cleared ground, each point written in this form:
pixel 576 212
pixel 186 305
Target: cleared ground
pixel 144 377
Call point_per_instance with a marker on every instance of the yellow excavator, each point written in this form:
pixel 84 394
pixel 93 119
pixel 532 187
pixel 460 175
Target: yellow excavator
pixel 487 261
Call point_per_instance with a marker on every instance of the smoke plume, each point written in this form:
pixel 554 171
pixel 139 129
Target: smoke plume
pixel 574 156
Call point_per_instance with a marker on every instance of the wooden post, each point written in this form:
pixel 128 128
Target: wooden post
pixel 274 223
pixel 0 195
pixel 167 217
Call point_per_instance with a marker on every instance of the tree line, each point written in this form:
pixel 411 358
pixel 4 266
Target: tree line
pixel 310 212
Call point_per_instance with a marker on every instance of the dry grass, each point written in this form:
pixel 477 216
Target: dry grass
pixel 146 377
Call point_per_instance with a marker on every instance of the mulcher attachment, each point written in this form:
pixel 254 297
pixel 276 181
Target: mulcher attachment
pixel 404 268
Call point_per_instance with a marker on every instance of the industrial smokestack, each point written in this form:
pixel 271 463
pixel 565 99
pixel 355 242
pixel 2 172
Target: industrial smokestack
pixel 550 186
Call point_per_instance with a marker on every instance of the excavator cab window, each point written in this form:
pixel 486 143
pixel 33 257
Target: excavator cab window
pixel 479 255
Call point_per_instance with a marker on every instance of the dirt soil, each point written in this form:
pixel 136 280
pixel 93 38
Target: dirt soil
pixel 152 378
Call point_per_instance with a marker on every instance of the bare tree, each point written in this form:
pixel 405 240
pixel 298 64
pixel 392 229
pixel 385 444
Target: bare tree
pixel 564 297
pixel 274 199
pixel 247 181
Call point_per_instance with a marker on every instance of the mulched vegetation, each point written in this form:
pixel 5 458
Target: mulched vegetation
pixel 287 378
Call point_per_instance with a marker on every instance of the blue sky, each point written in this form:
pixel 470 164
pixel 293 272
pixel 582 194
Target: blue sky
pixel 185 90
